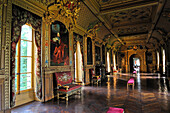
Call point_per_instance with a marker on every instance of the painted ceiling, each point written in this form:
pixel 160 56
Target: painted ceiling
pixel 126 22
pixel 134 21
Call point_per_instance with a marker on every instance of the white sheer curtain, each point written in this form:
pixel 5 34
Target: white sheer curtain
pixel 108 62
pixel 79 72
pixel 157 60
pixel 114 61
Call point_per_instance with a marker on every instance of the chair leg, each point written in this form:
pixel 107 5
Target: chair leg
pixel 57 95
pixel 127 87
pixel 80 92
pixel 66 97
pixel 133 86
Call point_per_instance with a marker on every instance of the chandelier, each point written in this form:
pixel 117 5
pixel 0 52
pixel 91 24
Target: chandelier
pixel 65 8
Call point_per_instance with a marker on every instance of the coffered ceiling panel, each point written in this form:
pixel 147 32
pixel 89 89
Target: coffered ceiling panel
pixel 136 39
pixel 130 16
pixel 127 30
pixel 106 3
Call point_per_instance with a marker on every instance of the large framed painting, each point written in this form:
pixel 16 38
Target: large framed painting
pixel 59 45
pixel 103 54
pixel 97 53
pixel 111 56
pixel 89 51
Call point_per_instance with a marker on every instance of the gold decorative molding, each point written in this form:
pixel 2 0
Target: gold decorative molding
pixel 92 32
pixel 65 8
pixel 8 13
pixel 1 6
pixel 58 69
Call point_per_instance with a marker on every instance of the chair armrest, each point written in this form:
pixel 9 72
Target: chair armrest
pixel 59 85
pixel 63 87
pixel 67 87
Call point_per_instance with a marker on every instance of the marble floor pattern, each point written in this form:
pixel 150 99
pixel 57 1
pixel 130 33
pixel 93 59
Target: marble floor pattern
pixel 151 95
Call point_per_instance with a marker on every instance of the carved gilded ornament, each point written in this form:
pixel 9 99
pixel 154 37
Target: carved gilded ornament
pixel 92 30
pixel 62 8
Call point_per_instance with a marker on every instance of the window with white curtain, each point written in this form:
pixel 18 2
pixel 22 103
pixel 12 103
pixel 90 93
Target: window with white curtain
pixel 157 60
pixel 108 62
pixel 114 61
pixel 23 58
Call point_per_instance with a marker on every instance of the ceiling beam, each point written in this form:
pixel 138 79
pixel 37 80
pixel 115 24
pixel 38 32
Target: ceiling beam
pixel 157 16
pixel 123 7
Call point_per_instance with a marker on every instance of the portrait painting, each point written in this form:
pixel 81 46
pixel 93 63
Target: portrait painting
pixel 97 53
pixel 89 52
pixel 59 45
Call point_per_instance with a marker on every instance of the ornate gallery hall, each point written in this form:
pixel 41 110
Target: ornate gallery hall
pixel 151 95
pixel 84 56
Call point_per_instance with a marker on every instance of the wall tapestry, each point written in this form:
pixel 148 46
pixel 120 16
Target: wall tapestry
pixel 59 45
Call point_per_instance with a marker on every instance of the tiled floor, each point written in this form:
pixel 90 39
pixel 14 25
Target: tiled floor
pixel 151 95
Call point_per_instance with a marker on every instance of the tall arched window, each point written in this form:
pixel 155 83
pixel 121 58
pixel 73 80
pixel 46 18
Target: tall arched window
pixel 24 68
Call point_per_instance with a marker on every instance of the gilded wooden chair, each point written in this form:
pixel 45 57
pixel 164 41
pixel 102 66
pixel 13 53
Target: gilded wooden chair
pixel 65 86
pixel 95 78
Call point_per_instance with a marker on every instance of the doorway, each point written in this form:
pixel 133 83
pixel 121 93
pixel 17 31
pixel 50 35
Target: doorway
pixel 135 63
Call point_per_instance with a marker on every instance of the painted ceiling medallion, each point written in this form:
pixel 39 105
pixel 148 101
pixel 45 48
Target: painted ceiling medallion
pixel 93 28
pixel 65 8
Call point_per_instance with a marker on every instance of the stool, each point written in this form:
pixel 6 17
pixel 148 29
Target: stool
pixel 130 82
pixel 115 110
